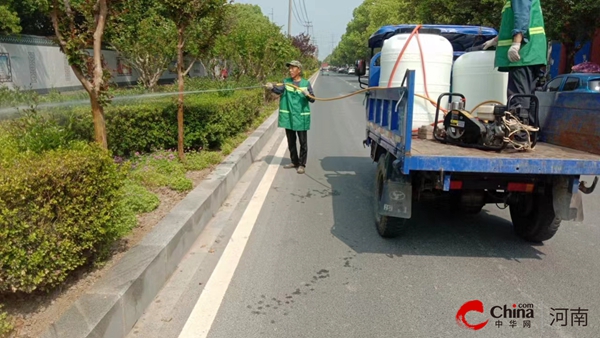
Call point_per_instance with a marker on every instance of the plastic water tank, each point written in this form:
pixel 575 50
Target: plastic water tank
pixel 438 58
pixel 475 77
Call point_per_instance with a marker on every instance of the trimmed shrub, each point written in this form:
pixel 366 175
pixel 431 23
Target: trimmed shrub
pixel 58 211
pixel 38 133
pixel 209 119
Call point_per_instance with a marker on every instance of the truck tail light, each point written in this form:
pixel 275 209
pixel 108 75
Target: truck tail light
pixel 456 185
pixel 521 187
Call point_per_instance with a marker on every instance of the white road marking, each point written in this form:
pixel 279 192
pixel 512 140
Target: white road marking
pixel 203 315
pixel 200 321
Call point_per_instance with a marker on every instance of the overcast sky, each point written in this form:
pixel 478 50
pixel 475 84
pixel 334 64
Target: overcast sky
pixel 329 18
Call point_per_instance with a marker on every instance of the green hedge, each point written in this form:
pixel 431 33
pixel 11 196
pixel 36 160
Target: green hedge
pixel 58 210
pixel 63 202
pixel 209 119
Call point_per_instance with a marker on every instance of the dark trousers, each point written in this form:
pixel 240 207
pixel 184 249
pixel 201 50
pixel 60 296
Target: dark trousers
pixel 522 80
pixel 291 138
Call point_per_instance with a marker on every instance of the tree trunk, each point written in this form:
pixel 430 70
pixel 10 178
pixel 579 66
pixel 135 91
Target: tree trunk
pixel 180 71
pixel 99 123
pixel 97 110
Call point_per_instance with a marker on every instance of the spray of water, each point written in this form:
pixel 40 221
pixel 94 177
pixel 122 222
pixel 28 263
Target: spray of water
pixel 12 111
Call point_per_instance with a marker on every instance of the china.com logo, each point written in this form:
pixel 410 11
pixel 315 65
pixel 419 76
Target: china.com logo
pixel 513 311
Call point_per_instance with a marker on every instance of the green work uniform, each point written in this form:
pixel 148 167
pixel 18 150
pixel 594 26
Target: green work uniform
pixel 534 49
pixel 294 111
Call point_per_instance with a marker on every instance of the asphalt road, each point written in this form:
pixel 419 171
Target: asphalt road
pixel 314 265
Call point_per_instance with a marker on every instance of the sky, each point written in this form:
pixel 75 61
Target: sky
pixel 328 18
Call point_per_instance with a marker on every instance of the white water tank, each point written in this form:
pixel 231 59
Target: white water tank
pixel 437 56
pixel 475 77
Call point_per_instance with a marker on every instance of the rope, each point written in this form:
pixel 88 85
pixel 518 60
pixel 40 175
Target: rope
pixel 513 124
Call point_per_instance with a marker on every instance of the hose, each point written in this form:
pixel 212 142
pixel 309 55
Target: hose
pixel 383 88
pixel 352 94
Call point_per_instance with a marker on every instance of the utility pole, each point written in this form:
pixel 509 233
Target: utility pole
pixel 290 20
pixel 332 42
pixel 308 27
pixel 272 15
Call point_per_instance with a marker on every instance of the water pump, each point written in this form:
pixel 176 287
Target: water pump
pixel 495 128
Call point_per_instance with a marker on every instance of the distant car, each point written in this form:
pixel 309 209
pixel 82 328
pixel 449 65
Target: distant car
pixel 579 82
pixel 351 71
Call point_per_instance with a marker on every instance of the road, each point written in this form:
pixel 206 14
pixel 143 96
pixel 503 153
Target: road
pixel 295 255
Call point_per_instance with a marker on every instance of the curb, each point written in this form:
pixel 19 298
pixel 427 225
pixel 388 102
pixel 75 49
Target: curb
pixel 115 303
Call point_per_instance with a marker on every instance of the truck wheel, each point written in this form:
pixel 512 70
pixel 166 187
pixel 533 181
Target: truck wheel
pixel 387 227
pixel 533 217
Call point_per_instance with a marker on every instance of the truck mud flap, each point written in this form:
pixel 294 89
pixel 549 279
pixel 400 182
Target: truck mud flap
pixel 567 202
pixel 396 199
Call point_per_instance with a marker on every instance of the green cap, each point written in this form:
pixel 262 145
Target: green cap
pixel 294 63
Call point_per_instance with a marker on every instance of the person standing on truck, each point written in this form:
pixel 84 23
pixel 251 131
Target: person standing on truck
pixel 294 113
pixel 521 50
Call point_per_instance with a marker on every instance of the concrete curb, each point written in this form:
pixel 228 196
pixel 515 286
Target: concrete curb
pixel 115 303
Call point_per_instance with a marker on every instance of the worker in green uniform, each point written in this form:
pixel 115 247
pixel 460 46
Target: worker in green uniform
pixel 521 50
pixel 294 113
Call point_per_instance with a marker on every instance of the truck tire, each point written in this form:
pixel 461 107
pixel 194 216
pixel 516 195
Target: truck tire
pixel 533 217
pixel 387 227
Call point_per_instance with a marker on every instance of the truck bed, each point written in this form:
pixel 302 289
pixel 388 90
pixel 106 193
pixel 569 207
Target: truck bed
pixel 389 115
pixel 543 159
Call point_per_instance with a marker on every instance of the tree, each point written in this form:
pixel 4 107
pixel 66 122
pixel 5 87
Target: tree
pixel 144 37
pixel 466 12
pixel 252 45
pixel 304 45
pixel 79 24
pixel 571 22
pixel 184 13
pixel 25 17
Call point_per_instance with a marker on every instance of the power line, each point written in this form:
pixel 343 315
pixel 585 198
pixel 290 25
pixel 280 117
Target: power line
pixel 305 11
pixel 297 16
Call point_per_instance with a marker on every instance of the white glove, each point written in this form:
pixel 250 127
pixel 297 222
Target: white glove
pixel 490 43
pixel 513 52
pixel 269 86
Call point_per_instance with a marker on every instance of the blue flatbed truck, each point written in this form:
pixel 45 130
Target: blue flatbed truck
pixel 541 187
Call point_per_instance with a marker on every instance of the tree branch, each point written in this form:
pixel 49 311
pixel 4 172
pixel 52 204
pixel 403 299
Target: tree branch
pixel 189 68
pixel 63 44
pixel 98 74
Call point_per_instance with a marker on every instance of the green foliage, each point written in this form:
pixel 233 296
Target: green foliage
pixel 160 169
pixel 138 198
pixel 18 14
pixel 144 37
pixel 6 325
pixel 36 133
pixel 163 169
pixel 201 160
pixel 209 120
pixel 252 44
pixel 58 211
pixel 371 15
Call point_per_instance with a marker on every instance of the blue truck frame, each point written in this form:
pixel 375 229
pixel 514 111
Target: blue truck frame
pixel 546 179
